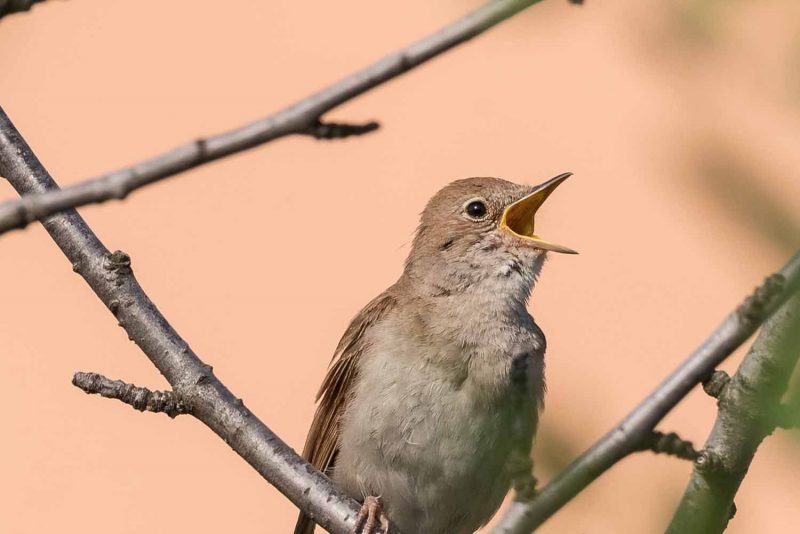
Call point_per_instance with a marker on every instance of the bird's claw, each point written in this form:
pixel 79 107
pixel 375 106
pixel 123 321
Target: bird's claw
pixel 370 519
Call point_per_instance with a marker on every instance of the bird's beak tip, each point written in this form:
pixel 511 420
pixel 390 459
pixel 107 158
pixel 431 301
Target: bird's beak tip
pixel 518 217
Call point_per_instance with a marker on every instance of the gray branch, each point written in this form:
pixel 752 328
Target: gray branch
pixel 16 6
pixel 111 278
pixel 301 118
pixel 629 435
pixel 141 399
pixel 749 410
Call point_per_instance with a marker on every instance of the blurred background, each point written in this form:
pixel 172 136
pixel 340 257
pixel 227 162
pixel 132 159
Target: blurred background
pixel 680 120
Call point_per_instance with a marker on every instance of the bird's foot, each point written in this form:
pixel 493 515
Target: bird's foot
pixel 370 519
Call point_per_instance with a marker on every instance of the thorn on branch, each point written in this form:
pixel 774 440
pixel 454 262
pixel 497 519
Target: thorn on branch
pixel 755 307
pixel 337 130
pixel 715 384
pixel 671 444
pixel 142 399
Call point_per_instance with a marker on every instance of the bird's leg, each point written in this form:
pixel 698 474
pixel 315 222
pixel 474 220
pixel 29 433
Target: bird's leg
pixel 521 468
pixel 370 519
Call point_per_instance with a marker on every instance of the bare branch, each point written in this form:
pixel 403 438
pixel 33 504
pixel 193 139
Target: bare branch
pixel 749 409
pixel 110 276
pixel 141 399
pixel 301 118
pixel 628 435
pixel 16 6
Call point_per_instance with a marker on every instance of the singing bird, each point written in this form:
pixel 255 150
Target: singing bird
pixel 431 402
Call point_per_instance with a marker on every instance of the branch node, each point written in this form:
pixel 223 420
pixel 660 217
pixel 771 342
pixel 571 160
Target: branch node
pixel 708 462
pixel 202 148
pixel 141 399
pixel 754 309
pixel 671 444
pixel 339 130
pixel 716 383
pixel 118 262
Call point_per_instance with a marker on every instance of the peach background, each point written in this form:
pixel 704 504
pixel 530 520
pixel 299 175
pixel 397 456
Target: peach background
pixel 681 122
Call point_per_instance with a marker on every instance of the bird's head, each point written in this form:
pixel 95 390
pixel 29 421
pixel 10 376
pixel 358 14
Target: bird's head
pixel 479 229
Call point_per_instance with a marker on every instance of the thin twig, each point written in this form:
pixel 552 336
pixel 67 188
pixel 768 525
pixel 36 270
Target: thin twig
pixel 110 276
pixel 16 6
pixel 749 410
pixel 141 399
pixel 628 435
pixel 301 118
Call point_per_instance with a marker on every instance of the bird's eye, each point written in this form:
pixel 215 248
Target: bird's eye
pixel 476 209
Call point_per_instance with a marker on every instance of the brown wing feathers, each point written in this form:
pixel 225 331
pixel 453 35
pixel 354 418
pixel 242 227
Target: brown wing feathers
pixel 321 445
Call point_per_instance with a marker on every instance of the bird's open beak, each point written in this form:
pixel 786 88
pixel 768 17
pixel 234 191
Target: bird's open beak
pixel 518 217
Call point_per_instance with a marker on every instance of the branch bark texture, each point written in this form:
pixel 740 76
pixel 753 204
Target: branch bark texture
pixel 749 410
pixel 629 435
pixel 300 118
pixel 111 278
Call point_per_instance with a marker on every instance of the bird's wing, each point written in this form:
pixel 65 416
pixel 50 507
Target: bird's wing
pixel 323 437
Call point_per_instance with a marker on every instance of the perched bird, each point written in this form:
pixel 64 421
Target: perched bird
pixel 430 406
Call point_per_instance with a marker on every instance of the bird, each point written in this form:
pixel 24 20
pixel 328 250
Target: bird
pixel 430 405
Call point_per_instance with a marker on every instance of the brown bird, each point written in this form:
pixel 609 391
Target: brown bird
pixel 430 406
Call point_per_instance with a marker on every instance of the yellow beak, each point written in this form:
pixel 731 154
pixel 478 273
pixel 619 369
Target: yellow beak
pixel 518 217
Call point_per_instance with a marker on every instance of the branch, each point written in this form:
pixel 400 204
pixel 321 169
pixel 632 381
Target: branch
pixel 629 434
pixel 301 118
pixel 110 276
pixel 749 410
pixel 16 6
pixel 142 399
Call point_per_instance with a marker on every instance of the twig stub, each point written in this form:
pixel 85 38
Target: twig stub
pixel 755 307
pixel 339 130
pixel 671 444
pixel 715 384
pixel 140 398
